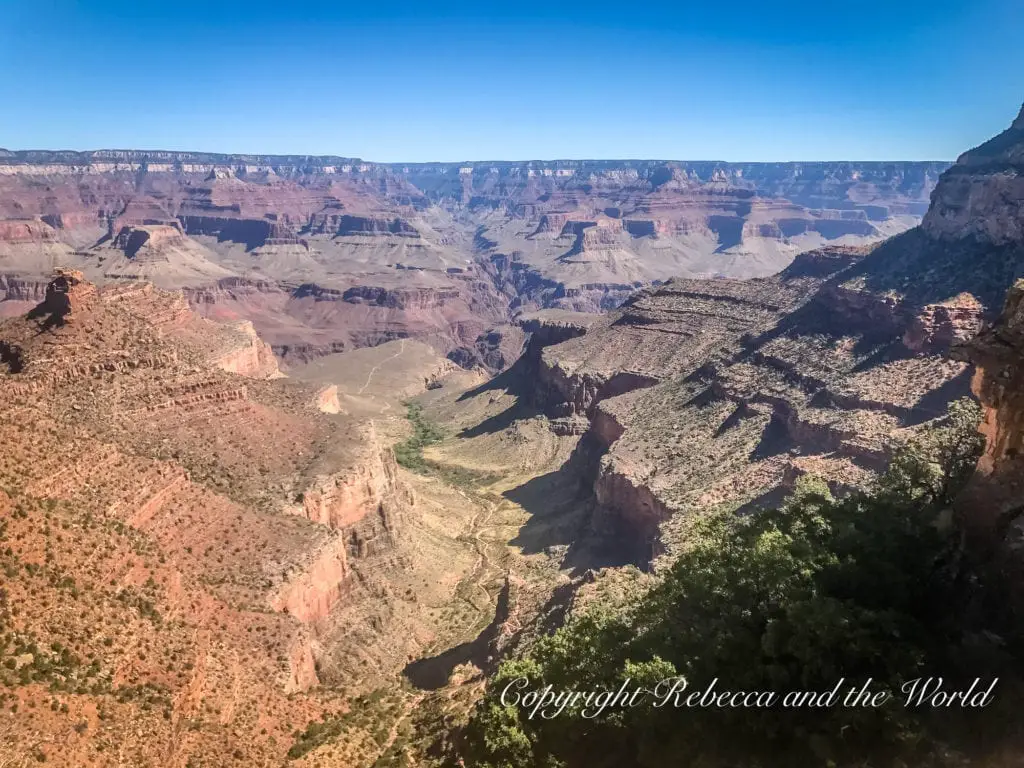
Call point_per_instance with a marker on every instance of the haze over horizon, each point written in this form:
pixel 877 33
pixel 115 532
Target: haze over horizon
pixel 398 83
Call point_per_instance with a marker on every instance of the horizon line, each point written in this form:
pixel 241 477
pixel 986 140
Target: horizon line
pixel 525 161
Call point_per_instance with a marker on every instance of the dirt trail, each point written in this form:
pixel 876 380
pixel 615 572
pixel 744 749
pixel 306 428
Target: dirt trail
pixel 484 571
pixel 375 368
pixel 490 528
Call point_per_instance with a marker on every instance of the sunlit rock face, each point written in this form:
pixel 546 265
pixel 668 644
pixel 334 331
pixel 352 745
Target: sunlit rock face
pixel 982 196
pixel 997 493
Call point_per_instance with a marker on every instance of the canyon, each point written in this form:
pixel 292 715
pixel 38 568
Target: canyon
pixel 179 522
pixel 297 448
pixel 704 393
pixel 325 254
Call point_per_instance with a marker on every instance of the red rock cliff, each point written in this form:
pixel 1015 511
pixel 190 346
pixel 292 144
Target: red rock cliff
pixel 997 493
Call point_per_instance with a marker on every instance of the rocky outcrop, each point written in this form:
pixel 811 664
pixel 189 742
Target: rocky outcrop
pixel 938 327
pixel 253 357
pixel 554 390
pixel 22 289
pixel 494 351
pixel 251 232
pixel 157 253
pixel 991 507
pixel 644 227
pixel 605 427
pixel 302 674
pixel 863 309
pixel 393 298
pixel 318 584
pixel 362 504
pixel 133 239
pixel 26 231
pixel 630 509
pixel 327 400
pixel 998 353
pixel 68 298
pixel 73 220
pixel 551 224
pixel 340 224
pixel 553 326
pixel 981 198
pixel 368 487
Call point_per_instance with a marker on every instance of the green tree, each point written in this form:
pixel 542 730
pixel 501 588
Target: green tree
pixel 933 468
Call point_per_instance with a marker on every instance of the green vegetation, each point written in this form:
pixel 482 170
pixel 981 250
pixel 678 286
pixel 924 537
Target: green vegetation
pixel 24 660
pixel 373 713
pixel 318 733
pixel 409 452
pixel 874 585
pixel 143 602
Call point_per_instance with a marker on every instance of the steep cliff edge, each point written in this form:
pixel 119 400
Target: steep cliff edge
pixel 161 253
pixel 982 196
pixel 991 507
pixel 971 239
pixel 996 496
pixel 253 357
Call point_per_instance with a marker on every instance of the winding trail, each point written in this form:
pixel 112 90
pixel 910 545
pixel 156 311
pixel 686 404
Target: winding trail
pixel 484 569
pixel 377 367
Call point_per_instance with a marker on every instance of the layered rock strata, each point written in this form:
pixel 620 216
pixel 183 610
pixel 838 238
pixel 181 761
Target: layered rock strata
pixel 715 392
pixel 207 514
pixel 472 241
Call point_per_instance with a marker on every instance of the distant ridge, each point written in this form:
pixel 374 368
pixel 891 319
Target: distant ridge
pixel 39 156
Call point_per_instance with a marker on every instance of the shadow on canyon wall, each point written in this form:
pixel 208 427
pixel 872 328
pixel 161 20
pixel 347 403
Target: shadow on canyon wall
pixel 432 672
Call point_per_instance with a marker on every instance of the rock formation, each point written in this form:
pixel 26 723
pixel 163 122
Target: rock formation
pixel 253 357
pixel 982 195
pixel 701 393
pixel 995 498
pixel 184 519
pixel 438 252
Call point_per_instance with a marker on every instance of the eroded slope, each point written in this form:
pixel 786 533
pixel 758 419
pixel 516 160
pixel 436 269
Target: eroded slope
pixel 173 533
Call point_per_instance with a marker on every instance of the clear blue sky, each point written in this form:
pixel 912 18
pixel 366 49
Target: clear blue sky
pixel 722 79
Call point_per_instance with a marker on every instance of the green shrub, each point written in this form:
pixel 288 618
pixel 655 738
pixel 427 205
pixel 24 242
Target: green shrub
pixel 409 452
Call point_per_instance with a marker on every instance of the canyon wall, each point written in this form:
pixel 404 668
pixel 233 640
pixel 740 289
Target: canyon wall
pixel 994 499
pixel 184 518
pixel 982 196
pixel 132 366
pixel 705 393
pixel 339 253
pixel 729 390
pixel 253 357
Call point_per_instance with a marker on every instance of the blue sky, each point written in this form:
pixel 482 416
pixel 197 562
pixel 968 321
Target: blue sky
pixel 734 80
